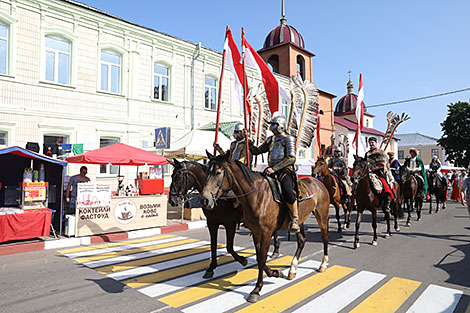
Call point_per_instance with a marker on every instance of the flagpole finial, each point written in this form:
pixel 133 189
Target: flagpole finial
pixel 283 14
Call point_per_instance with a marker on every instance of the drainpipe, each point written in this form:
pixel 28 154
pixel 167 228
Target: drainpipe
pixel 192 84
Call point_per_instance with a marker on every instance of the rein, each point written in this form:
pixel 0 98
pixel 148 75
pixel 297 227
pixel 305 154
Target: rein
pixel 216 196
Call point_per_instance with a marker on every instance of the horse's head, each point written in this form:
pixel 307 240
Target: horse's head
pixel 320 167
pixel 359 168
pixel 218 180
pixel 179 182
pixel 404 172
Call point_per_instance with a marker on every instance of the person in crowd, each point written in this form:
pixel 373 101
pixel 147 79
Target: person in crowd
pixel 378 165
pixel 416 167
pixel 71 191
pixel 394 165
pixel 238 146
pixel 465 193
pixel 337 163
pixel 455 181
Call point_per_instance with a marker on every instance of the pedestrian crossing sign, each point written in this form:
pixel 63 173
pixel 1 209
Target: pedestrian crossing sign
pixel 162 138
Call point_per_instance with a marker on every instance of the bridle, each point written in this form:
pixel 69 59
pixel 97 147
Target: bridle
pixel 357 179
pixel 184 186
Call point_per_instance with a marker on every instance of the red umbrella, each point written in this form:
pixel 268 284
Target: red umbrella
pixel 118 154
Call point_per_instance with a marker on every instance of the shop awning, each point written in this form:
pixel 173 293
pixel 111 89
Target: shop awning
pixel 225 127
pixel 30 154
pixel 118 154
pixel 193 145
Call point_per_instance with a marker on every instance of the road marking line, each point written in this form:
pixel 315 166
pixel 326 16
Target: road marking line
pixel 340 296
pixel 112 244
pixel 142 255
pixel 236 297
pixel 150 257
pixel 436 299
pixel 132 251
pixel 121 247
pixel 210 288
pixel 181 270
pixel 389 297
pixel 172 263
pixel 160 289
pixel 292 295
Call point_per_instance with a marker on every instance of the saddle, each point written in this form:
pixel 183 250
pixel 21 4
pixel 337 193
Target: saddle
pixel 304 190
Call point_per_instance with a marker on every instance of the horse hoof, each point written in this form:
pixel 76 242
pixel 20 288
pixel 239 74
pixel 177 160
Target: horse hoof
pixel 322 269
pixel 356 245
pixel 208 274
pixel 374 243
pixel 291 276
pixel 387 235
pixel 408 224
pixel 275 255
pixel 418 219
pixel 253 298
pixel 281 275
pixel 345 227
pixel 244 262
pixel 397 229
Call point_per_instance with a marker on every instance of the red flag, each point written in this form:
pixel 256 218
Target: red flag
pixel 271 85
pixel 359 114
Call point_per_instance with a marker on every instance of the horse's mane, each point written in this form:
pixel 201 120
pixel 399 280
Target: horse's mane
pixel 202 166
pixel 247 171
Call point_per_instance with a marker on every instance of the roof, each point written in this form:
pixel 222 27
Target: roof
pixel 347 104
pixel 284 34
pixel 416 139
pixel 225 127
pixel 30 154
pixel 352 126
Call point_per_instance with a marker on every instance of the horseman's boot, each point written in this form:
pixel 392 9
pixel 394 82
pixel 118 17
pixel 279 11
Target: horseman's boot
pixel 294 214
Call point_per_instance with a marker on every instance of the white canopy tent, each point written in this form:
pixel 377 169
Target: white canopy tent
pixel 193 145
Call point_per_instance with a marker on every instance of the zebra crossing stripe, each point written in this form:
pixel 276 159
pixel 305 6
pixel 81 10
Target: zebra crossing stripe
pixel 436 299
pixel 155 256
pixel 157 267
pixel 389 297
pixel 112 244
pixel 232 299
pixel 350 290
pixel 104 264
pixel 132 251
pixel 187 296
pixel 121 247
pixel 181 270
pixel 156 290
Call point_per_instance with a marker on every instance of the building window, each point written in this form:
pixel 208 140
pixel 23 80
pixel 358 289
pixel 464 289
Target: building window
pixel 110 71
pixel 161 78
pixel 53 145
pixel 3 138
pixel 3 48
pixel 419 152
pixel 434 152
pixel 58 60
pixel 108 168
pixel 301 153
pixel 273 63
pixel 284 108
pixel 322 148
pixel 210 93
pixel 367 123
pixel 401 154
pixel 301 66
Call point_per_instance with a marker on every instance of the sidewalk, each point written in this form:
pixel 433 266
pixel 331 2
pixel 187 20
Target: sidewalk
pixel 46 243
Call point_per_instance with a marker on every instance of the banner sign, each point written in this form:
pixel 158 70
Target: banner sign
pixel 35 191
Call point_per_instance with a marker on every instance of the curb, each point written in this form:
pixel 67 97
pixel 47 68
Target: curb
pixel 84 241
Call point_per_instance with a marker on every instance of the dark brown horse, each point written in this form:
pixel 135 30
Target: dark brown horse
pixel 367 199
pixel 438 188
pixel 336 199
pixel 409 192
pixel 262 215
pixel 189 175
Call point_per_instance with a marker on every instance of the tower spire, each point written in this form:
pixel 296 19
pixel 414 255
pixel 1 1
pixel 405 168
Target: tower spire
pixel 283 14
pixel 350 85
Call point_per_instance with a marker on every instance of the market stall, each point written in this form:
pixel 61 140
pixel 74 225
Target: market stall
pixel 98 211
pixel 28 200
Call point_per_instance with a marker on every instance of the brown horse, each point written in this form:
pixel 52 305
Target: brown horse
pixel 336 199
pixel 409 192
pixel 438 188
pixel 189 175
pixel 262 215
pixel 366 198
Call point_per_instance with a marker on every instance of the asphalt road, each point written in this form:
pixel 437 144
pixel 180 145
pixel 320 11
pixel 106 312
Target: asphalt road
pixel 432 252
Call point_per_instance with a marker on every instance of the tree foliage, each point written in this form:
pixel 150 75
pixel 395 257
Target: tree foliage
pixel 456 133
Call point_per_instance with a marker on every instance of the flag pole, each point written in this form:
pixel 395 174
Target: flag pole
pixel 247 146
pixel 220 95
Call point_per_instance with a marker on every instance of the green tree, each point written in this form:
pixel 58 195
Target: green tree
pixel 456 133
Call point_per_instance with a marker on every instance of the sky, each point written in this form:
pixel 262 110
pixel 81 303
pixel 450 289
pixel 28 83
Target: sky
pixel 404 49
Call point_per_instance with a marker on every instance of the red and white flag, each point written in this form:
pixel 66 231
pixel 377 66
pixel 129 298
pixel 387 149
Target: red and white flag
pixel 359 114
pixel 233 60
pixel 271 85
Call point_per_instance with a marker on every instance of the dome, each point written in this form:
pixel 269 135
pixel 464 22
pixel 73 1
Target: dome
pixel 283 34
pixel 347 104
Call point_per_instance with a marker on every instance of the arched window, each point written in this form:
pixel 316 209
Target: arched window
pixel 111 71
pixel 273 63
pixel 58 59
pixel 4 47
pixel 301 66
pixel 161 82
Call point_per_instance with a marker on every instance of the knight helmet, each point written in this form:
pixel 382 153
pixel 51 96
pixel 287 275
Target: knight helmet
pixel 278 123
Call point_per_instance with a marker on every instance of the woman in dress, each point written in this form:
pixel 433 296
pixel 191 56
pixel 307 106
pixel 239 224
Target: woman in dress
pixel 455 186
